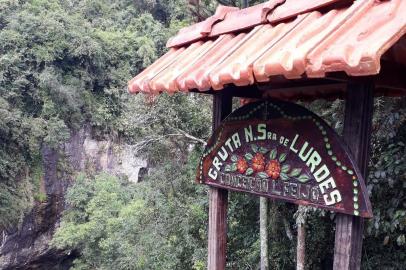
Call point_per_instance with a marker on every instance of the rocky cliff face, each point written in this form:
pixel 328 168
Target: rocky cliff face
pixel 27 247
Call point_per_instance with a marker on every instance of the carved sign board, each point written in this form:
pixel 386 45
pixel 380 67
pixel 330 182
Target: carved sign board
pixel 283 151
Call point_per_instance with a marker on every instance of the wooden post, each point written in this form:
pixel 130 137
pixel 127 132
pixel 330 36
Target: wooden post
pixel 218 198
pixel 357 133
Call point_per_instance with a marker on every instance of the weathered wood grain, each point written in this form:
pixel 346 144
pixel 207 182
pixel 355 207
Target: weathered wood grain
pixel 218 198
pixel 357 134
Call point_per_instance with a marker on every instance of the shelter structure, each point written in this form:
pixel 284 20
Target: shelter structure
pixel 290 50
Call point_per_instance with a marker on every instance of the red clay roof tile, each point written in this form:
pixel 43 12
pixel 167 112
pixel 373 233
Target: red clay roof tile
pixel 359 41
pixel 140 82
pixel 199 30
pixel 238 67
pixel 290 57
pixel 292 8
pixel 167 80
pixel 287 57
pixel 245 18
pixel 197 76
pixel 350 39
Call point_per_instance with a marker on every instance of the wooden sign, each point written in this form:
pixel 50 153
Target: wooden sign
pixel 283 151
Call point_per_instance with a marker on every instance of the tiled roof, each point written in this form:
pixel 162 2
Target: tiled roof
pixel 293 38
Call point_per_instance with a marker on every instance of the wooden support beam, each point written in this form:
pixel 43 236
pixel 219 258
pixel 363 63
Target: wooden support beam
pixel 218 198
pixel 390 77
pixel 357 134
pixel 288 90
pixel 250 91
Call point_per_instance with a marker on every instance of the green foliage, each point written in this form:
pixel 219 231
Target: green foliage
pixel 243 230
pixel 16 145
pixel 64 64
pixel 40 197
pixel 14 200
pixel 157 224
pixel 159 128
pixel 161 223
pixel 385 245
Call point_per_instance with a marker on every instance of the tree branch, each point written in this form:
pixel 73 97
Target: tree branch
pixel 3 240
pixel 288 231
pixel 191 137
pixel 142 144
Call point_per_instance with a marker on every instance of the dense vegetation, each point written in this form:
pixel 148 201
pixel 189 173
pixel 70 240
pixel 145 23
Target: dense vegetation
pixel 64 64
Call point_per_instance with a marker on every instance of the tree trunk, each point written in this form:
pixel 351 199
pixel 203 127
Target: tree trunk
pixel 301 238
pixel 263 221
pixel 301 250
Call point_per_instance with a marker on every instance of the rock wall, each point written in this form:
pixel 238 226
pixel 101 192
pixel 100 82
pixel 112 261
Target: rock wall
pixel 27 247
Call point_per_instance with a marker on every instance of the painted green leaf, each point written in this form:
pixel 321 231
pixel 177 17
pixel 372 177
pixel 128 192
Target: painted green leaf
pixel 248 156
pixel 284 176
pixel 249 171
pixel 285 168
pixel 233 167
pixel 295 172
pixel 262 175
pixel 273 154
pixel 303 178
pixel 234 158
pixel 282 157
pixel 263 150
pixel 254 148
pixel 227 168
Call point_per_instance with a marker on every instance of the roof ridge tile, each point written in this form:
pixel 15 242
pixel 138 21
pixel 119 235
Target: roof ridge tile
pixel 242 19
pixel 292 8
pixel 199 30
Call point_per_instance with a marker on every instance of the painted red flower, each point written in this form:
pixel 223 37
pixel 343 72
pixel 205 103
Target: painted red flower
pixel 273 169
pixel 258 162
pixel 242 165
